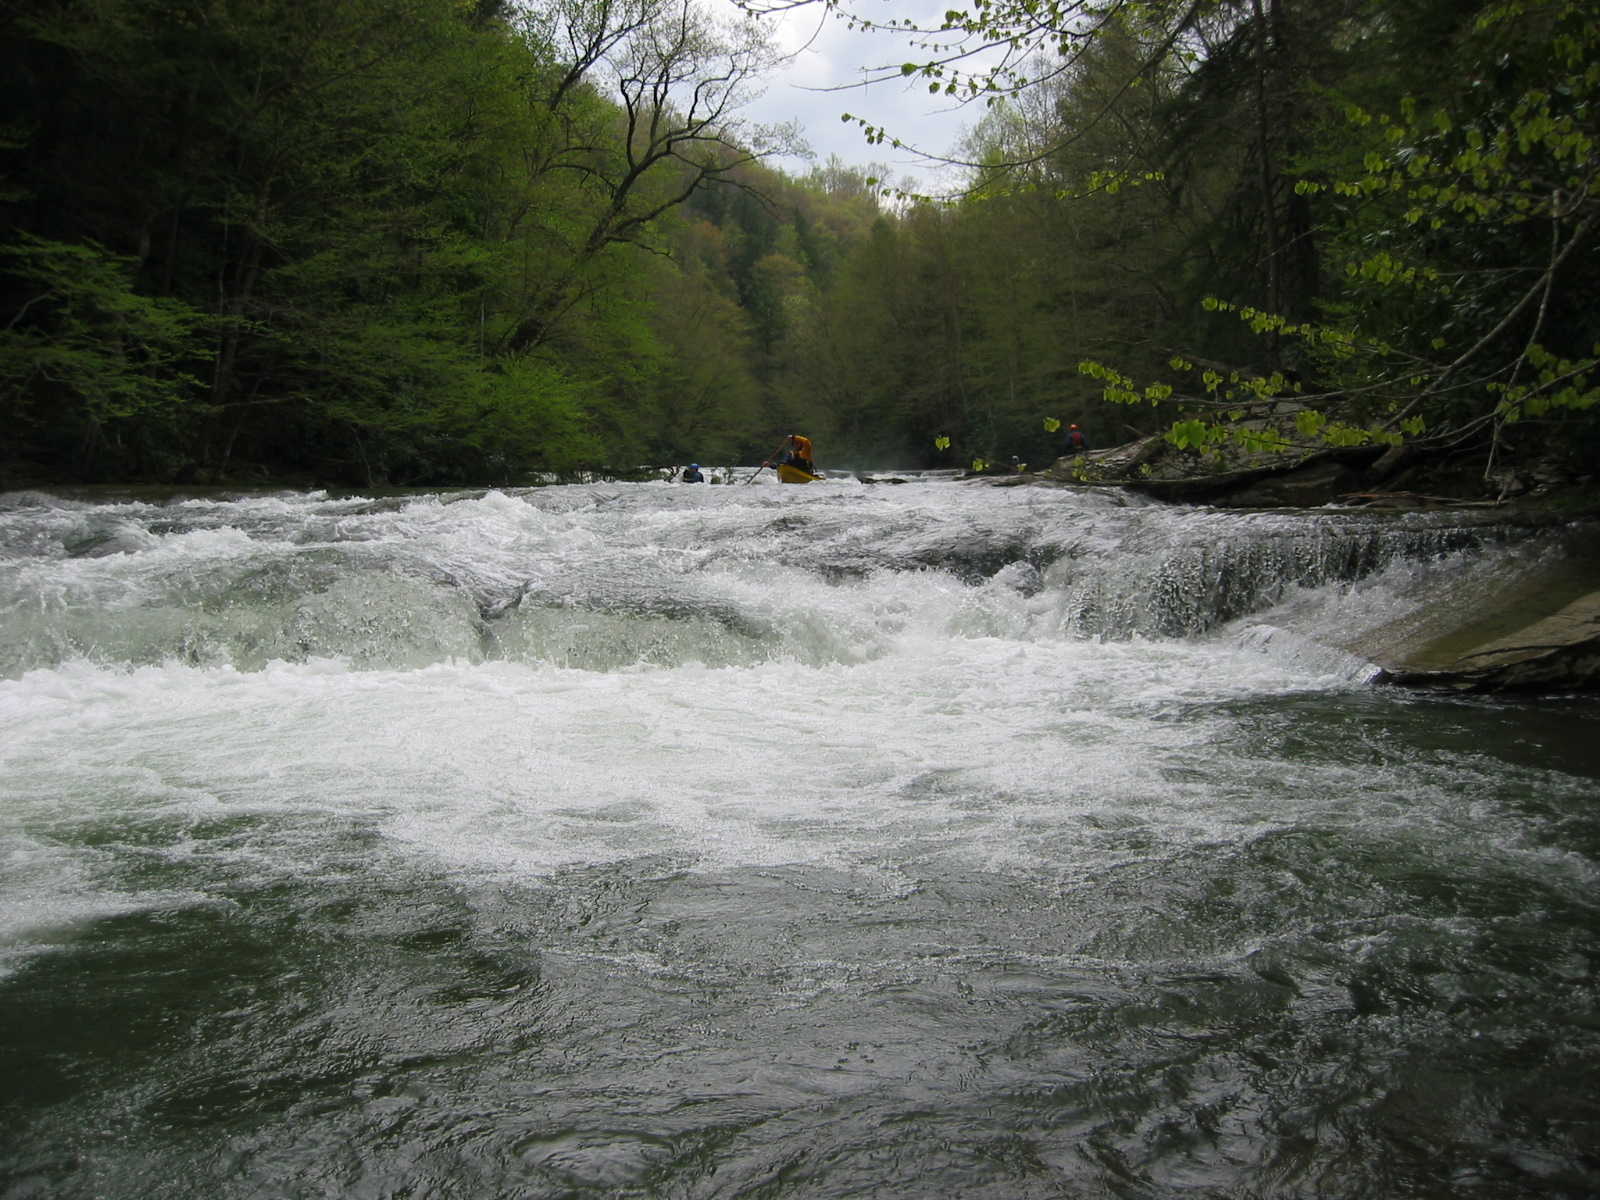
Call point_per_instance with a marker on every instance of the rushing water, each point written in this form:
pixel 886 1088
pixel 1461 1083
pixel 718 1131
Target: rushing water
pixel 848 840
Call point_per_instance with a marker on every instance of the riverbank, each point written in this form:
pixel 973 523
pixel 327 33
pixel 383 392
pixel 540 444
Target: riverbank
pixel 1388 476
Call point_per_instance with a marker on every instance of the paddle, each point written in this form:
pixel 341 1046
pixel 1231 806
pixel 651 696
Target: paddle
pixel 768 463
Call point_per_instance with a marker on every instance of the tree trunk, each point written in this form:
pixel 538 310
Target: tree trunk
pixel 1266 21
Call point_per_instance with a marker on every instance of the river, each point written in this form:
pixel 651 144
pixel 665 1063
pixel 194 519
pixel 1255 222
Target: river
pixel 890 839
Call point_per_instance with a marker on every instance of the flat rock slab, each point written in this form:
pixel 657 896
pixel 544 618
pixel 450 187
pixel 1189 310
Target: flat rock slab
pixel 1542 631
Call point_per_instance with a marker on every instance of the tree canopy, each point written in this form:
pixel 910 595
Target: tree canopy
pixel 429 241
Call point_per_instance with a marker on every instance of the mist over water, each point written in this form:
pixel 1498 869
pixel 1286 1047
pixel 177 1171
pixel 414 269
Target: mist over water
pixel 708 841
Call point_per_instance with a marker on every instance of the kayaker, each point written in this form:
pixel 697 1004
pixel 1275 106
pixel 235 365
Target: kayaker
pixel 798 453
pixel 1076 442
pixel 691 474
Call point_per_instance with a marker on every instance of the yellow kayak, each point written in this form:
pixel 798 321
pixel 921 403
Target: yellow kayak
pixel 787 473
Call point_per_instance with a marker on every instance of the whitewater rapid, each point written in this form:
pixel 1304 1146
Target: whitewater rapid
pixel 563 841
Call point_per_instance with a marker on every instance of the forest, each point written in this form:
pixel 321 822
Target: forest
pixel 437 242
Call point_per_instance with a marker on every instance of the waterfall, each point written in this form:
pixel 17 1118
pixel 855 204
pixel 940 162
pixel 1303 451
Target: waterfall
pixel 612 576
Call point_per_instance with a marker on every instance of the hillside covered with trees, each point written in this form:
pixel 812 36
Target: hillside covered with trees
pixel 444 241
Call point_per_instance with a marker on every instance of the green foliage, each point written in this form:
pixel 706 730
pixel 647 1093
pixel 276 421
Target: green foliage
pixel 1465 232
pixel 1195 435
pixel 85 349
pixel 1453 240
pixel 401 239
pixel 365 238
pixel 529 413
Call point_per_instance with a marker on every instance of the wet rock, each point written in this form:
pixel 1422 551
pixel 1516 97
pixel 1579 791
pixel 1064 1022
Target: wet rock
pixel 1557 651
pixel 1158 469
pixel 1307 478
pixel 1541 633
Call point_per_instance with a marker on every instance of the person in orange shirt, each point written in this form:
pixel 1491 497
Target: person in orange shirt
pixel 799 453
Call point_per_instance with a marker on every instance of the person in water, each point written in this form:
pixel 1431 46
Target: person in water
pixel 798 453
pixel 691 474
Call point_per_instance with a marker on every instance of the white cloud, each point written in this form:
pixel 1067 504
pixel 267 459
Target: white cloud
pixel 825 77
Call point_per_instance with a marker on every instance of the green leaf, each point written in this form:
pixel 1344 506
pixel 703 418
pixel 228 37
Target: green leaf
pixel 1189 435
pixel 1309 422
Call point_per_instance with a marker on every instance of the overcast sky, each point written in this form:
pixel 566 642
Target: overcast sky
pixel 826 53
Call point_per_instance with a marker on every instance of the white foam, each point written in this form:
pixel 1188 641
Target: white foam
pixel 883 717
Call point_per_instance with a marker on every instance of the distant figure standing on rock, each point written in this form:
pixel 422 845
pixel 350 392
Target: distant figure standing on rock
pixel 1076 442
